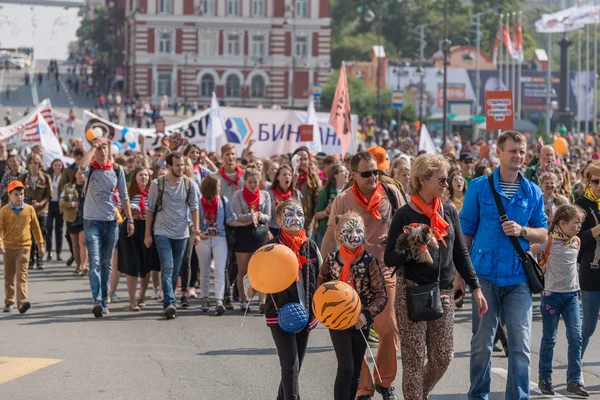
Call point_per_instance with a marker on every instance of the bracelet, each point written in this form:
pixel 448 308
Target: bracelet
pixel 130 222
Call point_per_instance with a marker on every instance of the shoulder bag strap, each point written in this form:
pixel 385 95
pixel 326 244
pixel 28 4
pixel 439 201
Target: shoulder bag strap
pixel 87 185
pixel 440 248
pixel 504 217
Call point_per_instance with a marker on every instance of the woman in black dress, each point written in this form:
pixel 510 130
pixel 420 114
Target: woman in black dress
pixel 135 259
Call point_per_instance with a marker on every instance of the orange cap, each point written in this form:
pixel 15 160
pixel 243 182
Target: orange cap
pixel 383 162
pixel 15 185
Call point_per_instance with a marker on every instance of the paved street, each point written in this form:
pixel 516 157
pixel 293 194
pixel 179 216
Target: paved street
pixel 142 356
pixel 22 96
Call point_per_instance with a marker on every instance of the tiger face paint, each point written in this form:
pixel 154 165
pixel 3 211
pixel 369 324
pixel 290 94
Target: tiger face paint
pixel 292 218
pixel 353 234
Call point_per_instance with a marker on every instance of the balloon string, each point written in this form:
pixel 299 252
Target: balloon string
pixel 370 352
pixel 245 313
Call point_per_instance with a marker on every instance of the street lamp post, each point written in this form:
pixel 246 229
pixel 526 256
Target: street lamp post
pixel 291 12
pixel 399 71
pixel 445 49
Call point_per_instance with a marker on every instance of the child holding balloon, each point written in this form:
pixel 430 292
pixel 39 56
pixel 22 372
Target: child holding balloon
pixel 291 343
pixel 353 265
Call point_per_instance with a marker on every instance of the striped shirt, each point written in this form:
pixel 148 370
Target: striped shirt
pixel 100 195
pixel 510 188
pixel 172 220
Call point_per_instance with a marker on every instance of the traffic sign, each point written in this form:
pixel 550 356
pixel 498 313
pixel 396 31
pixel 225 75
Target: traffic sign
pixel 398 99
pixel 499 110
pixel 317 89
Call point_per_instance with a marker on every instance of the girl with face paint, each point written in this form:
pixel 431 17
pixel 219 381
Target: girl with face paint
pixel 282 189
pixel 354 265
pixel 291 347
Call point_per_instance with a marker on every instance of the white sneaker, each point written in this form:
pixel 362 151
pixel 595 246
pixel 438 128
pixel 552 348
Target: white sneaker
pixel 191 292
pixel 112 298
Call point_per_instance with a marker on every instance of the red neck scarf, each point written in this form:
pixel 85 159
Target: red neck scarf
pixel 210 210
pixel 348 257
pixel 301 179
pixel 282 196
pixel 295 243
pixel 436 221
pixel 107 166
pixel 372 205
pixel 230 181
pixel 251 198
pixel 144 194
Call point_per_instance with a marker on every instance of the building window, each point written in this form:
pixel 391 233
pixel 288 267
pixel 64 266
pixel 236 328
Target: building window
pixel 207 85
pixel 208 8
pixel 165 6
pixel 164 43
pixel 258 87
pixel 258 47
pixel 301 9
pixel 232 86
pixel 301 48
pixel 233 8
pixel 207 43
pixel 258 8
pixel 164 84
pixel 233 45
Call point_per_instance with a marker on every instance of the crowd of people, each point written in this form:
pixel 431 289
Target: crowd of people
pixel 171 219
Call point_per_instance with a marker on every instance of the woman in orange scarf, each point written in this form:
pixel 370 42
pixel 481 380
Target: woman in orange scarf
pixel 357 267
pixel 428 181
pixel 291 347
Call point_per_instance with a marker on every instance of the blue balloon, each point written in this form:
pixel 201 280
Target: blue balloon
pixel 124 132
pixel 118 145
pixel 292 317
pixel 132 145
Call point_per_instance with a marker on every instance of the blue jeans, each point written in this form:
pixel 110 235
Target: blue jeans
pixel 170 253
pixel 590 302
pixel 516 303
pixel 552 307
pixel 100 239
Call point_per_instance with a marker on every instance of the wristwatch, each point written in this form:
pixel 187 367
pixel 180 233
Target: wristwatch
pixel 523 232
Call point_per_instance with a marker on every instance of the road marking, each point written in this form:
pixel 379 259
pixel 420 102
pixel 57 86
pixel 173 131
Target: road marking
pixel 64 87
pixel 533 386
pixel 16 367
pixel 1 81
pixel 32 79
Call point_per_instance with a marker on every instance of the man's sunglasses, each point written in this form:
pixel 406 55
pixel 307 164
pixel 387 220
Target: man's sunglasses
pixel 442 180
pixel 368 174
pixel 595 181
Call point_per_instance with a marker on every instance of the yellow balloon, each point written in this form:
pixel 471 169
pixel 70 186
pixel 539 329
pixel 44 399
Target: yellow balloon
pixel 561 146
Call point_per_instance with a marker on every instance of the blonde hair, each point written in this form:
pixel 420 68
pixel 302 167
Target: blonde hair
pixel 340 220
pixel 251 171
pixel 547 176
pixel 592 169
pixel 425 166
pixel 227 147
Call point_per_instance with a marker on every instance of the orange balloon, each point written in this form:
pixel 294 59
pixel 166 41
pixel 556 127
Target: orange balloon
pixel 90 135
pixel 336 305
pixel 561 146
pixel 272 268
pixel 589 139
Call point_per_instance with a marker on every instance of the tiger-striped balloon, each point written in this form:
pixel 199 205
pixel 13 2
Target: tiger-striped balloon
pixel 336 305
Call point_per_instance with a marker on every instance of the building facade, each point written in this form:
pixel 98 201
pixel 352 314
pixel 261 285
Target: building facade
pixel 249 52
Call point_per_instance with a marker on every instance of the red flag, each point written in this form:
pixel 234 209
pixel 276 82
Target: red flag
pixel 508 41
pixel 339 117
pixel 518 41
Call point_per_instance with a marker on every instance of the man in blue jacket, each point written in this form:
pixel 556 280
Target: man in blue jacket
pixel 498 266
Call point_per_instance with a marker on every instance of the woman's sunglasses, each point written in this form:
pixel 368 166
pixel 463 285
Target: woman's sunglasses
pixel 368 174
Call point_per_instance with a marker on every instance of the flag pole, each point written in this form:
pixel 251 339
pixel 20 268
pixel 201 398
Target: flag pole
pixel 578 79
pixel 521 58
pixel 507 72
pixel 500 50
pixel 587 79
pixel 513 62
pixel 595 126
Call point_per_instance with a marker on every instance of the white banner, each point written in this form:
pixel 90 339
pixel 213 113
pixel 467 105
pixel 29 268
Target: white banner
pixel 274 131
pixel 24 132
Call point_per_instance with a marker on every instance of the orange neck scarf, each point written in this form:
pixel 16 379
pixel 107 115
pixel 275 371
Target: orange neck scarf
pixel 372 205
pixel 436 221
pixel 295 243
pixel 348 257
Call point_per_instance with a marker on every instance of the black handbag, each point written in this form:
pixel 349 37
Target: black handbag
pixel 424 302
pixel 533 270
pixel 260 233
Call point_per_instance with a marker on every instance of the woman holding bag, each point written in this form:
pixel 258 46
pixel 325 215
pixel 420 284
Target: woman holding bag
pixel 291 347
pixel 429 179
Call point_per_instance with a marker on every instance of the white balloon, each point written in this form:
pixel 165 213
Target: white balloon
pixel 98 131
pixel 114 149
pixel 129 137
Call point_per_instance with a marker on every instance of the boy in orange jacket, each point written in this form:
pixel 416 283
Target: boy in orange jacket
pixel 17 222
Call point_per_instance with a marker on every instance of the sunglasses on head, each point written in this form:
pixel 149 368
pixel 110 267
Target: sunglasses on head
pixel 368 174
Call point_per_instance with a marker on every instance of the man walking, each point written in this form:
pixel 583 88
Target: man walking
pixel 376 203
pixel 499 269
pixel 100 217
pixel 170 201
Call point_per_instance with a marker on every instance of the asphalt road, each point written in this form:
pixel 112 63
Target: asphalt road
pixel 142 356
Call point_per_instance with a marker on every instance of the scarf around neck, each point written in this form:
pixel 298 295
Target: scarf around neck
pixel 282 196
pixel 372 205
pixel 348 257
pixel 432 211
pixel 210 208
pixel 557 234
pixel 301 179
pixel 251 198
pixel 589 193
pixel 143 194
pixel 295 243
pixel 107 166
pixel 230 181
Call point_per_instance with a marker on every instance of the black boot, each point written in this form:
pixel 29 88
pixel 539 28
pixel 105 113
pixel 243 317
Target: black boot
pixel 40 262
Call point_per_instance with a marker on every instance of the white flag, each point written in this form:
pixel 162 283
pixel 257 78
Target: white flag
pixel 425 142
pixel 50 144
pixel 311 119
pixel 216 128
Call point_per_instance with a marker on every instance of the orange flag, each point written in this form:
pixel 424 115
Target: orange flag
pixel 339 117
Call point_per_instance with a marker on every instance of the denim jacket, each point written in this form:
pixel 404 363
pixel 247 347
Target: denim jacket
pixel 493 255
pixel 220 220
